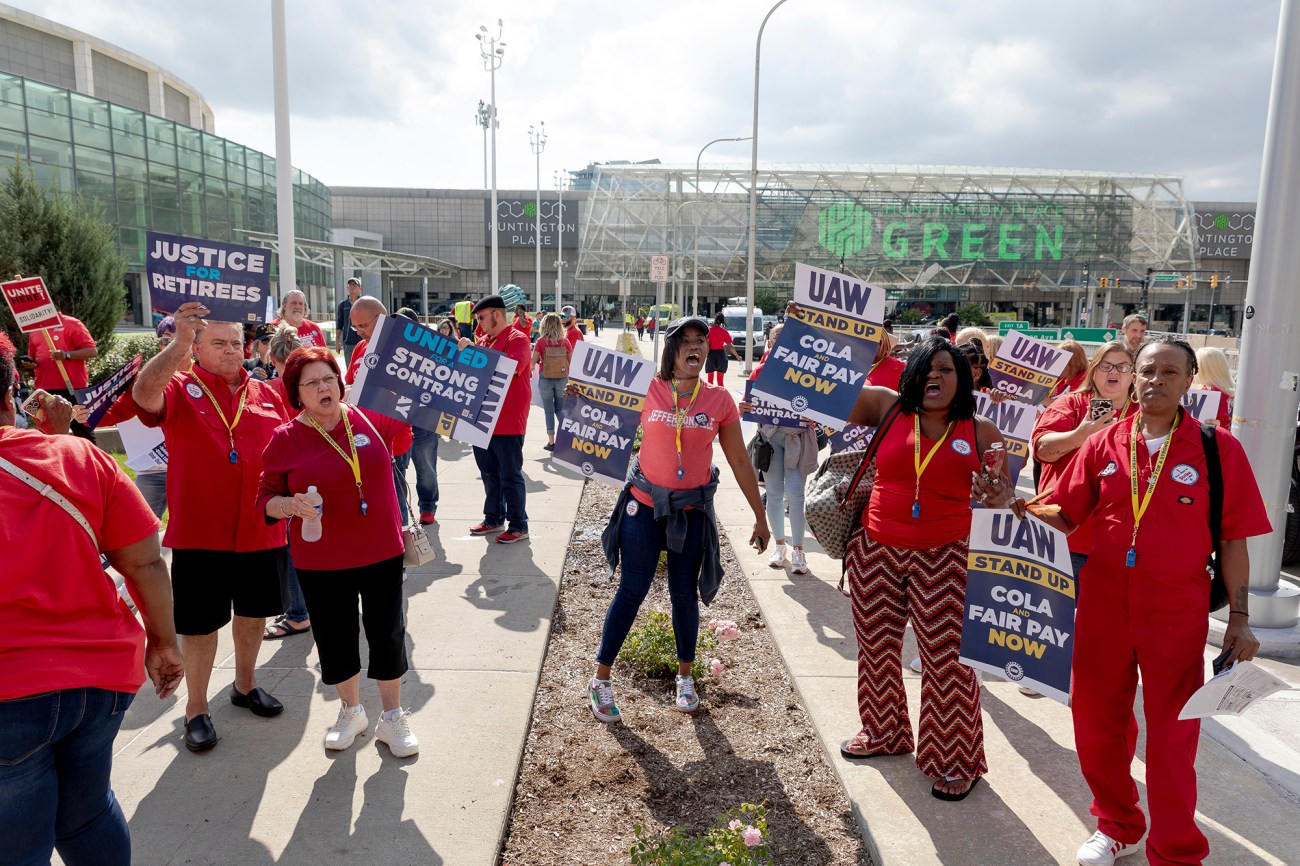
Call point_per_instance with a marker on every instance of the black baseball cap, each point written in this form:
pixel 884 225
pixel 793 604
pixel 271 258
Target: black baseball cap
pixel 685 322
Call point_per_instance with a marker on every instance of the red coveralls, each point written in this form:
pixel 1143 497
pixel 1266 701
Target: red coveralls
pixel 1150 618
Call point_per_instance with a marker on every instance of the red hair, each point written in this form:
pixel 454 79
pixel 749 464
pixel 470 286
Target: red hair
pixel 300 358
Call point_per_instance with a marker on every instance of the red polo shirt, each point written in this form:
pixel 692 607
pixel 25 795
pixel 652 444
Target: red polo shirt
pixel 513 420
pixel 309 333
pixel 70 335
pixel 213 502
pixel 354 362
pixel 573 335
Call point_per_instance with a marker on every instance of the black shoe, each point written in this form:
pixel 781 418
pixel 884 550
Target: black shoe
pixel 199 733
pixel 549 446
pixel 258 700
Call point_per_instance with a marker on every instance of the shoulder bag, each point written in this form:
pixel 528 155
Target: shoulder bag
pixel 1214 473
pixel 416 547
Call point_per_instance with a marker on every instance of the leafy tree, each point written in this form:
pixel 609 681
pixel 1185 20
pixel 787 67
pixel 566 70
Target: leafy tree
pixel 973 314
pixel 60 237
pixel 910 316
pixel 767 301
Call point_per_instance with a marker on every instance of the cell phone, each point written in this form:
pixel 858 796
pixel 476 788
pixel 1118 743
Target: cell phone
pixel 32 406
pixel 1099 406
pixel 1220 661
pixel 993 456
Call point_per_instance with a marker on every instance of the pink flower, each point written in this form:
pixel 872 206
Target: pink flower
pixel 730 633
pixel 734 825
pixel 752 836
pixel 724 863
pixel 717 668
pixel 712 624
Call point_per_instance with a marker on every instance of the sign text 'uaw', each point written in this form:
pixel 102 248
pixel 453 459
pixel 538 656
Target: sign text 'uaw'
pixel 1027 368
pixel 598 424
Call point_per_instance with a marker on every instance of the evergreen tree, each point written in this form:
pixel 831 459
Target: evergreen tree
pixel 56 235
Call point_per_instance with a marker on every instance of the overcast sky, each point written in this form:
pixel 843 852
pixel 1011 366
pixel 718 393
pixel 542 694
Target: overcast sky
pixel 384 92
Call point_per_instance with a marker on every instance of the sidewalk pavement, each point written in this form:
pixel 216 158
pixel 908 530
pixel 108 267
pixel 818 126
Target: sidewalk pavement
pixel 1033 808
pixel 478 620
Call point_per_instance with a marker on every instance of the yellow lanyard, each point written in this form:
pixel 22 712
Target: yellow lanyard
pixel 679 421
pixel 353 461
pixel 1141 509
pixel 922 464
pixel 239 413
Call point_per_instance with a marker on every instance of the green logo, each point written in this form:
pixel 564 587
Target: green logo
pixel 530 209
pixel 844 228
pixel 1221 221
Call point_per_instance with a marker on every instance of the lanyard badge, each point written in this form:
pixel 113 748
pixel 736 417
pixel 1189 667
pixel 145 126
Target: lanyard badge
pixel 919 464
pixel 1140 509
pixel 679 421
pixel 239 413
pixel 353 461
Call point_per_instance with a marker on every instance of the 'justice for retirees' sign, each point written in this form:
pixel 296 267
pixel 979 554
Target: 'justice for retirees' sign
pixel 231 280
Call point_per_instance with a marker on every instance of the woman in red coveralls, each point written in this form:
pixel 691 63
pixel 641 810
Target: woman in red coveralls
pixel 1144 609
pixel 909 558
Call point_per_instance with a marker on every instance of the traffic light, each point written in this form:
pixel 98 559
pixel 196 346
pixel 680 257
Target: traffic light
pixel 1105 283
pixel 1214 281
pixel 1182 282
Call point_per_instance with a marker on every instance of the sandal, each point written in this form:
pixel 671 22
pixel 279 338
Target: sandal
pixel 848 751
pixel 280 629
pixel 953 798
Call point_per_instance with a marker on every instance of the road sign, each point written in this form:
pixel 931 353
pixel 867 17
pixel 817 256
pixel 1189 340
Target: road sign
pixel 1042 333
pixel 1090 335
pixel 1166 278
pixel 1003 327
pixel 659 269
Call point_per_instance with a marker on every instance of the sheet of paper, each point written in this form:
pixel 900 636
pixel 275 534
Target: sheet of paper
pixel 1232 692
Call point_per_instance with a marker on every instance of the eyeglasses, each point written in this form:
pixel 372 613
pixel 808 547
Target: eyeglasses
pixel 1108 367
pixel 328 381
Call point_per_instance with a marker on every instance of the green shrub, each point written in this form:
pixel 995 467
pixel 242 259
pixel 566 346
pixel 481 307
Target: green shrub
pixel 724 843
pixel 650 648
pixel 119 353
pixel 910 317
pixel 973 314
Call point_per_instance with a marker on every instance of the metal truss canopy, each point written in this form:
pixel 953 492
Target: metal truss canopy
pixel 903 226
pixel 332 255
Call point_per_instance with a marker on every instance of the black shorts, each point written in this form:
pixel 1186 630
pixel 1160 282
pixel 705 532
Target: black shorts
pixel 332 598
pixel 716 362
pixel 206 584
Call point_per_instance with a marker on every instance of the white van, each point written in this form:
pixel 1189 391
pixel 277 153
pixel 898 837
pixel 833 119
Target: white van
pixel 734 321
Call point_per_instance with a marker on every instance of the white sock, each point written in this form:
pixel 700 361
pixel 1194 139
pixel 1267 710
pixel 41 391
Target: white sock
pixel 390 715
pixel 354 710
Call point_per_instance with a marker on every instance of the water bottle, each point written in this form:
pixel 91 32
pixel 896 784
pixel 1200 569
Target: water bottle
pixel 311 527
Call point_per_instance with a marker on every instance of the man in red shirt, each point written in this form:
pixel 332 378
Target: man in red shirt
pixel 62 369
pixel 523 322
pixel 572 332
pixel 502 462
pixel 217 421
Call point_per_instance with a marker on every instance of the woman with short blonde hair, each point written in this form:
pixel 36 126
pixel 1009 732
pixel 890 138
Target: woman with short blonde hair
pixel 1213 374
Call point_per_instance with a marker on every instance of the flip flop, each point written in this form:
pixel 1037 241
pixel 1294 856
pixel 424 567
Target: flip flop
pixel 953 798
pixel 285 630
pixel 851 755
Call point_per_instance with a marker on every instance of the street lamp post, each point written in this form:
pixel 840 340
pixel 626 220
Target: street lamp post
pixel 559 237
pixel 753 203
pixel 492 49
pixel 695 268
pixel 484 119
pixel 537 141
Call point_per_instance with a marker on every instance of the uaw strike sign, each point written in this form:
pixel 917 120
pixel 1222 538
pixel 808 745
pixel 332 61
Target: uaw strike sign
pixel 1203 403
pixel 598 424
pixel 232 281
pixel 414 374
pixel 1015 420
pixel 820 362
pixel 1027 368
pixel 1020 598
pixel 766 412
pixel 855 437
pixel 31 304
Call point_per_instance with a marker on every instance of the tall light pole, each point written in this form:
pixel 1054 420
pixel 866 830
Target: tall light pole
pixel 537 141
pixel 484 119
pixel 753 203
pixel 559 237
pixel 492 49
pixel 283 162
pixel 695 268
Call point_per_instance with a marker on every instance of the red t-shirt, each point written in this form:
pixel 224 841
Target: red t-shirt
pixel 573 334
pixel 513 420
pixel 70 335
pixel 309 333
pixel 298 457
pixel 354 362
pixel 540 347
pixel 719 337
pixel 1071 385
pixel 213 502
pixel 1225 407
pixel 887 374
pixel 945 488
pixel 62 624
pixel 525 326
pixel 713 409
pixel 1063 416
pixel 1175 531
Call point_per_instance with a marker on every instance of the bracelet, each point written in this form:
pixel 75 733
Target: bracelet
pixel 1244 613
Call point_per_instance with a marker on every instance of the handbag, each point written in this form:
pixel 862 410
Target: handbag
pixel 760 452
pixel 1214 473
pixel 416 547
pixel 835 496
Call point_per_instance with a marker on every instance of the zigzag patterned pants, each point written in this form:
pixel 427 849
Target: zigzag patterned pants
pixel 887 584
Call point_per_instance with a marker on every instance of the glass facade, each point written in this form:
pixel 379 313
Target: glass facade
pixel 151 173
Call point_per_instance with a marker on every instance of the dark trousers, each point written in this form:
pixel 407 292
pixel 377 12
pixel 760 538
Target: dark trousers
pixel 502 466
pixel 78 429
pixel 332 597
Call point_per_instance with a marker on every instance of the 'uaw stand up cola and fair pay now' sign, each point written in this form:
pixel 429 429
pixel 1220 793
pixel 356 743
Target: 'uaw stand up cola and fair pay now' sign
pixel 598 424
pixel 1020 598
pixel 1026 368
pixel 820 362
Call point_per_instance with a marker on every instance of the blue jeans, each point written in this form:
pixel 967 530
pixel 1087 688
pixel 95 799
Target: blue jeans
pixel 295 605
pixel 784 485
pixel 502 466
pixel 153 487
pixel 641 539
pixel 56 753
pixel 552 396
pixel 424 454
pixel 400 463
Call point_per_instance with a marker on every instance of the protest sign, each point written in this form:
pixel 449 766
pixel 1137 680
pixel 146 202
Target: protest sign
pixel 31 304
pixel 1015 420
pixel 855 437
pixel 414 374
pixel 767 412
pixel 598 424
pixel 1020 598
pixel 1027 368
pixel 1203 403
pixel 97 398
pixel 145 447
pixel 820 362
pixel 231 280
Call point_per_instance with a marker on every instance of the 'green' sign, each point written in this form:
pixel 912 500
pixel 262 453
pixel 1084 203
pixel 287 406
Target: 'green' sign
pixel 1043 333
pixel 1003 327
pixel 1090 335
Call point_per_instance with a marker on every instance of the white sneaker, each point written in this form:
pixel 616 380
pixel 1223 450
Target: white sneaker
pixel 397 734
pixel 351 721
pixel 777 559
pixel 687 700
pixel 1101 850
pixel 798 562
pixel 916 664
